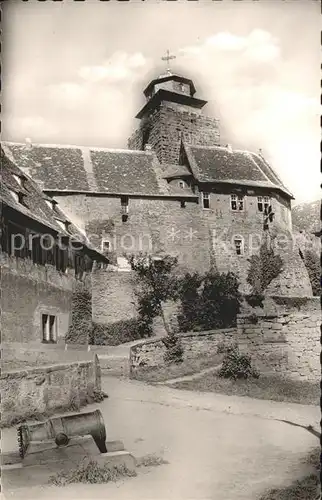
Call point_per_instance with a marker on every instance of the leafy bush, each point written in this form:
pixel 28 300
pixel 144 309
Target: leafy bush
pixel 119 332
pixel 236 365
pixel 209 301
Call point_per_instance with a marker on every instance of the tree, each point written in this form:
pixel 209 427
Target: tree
pixel 158 284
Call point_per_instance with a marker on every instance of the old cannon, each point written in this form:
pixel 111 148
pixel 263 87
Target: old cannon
pixel 60 429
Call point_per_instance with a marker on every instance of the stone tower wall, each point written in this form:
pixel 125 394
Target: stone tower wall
pixel 164 128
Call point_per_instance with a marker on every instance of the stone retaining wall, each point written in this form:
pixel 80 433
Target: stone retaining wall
pixel 151 352
pixel 42 390
pixel 283 338
pixel 287 343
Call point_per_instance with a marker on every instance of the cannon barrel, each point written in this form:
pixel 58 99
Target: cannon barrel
pixel 61 429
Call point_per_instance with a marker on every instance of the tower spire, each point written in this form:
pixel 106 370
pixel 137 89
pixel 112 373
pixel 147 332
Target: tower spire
pixel 168 58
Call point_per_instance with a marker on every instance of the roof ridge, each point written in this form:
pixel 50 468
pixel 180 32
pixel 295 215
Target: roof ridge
pixel 270 168
pixel 210 147
pixel 74 146
pixel 256 164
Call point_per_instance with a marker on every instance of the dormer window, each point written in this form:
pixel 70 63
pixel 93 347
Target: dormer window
pixel 182 184
pixel 50 204
pixel 18 197
pixel 18 179
pixel 14 195
pixel 237 202
pixel 63 225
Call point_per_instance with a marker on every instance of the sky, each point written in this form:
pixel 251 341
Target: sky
pixel 74 72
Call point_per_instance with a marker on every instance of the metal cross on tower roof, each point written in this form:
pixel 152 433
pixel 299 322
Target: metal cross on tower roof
pixel 168 58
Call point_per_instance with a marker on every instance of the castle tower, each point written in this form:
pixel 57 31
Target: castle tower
pixel 171 113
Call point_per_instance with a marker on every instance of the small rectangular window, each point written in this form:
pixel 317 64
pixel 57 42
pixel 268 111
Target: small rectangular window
pixel 237 202
pixel 205 200
pixel 182 184
pixel 105 245
pixel 239 246
pixel 267 202
pixel 49 328
pixel 125 204
pixel 263 203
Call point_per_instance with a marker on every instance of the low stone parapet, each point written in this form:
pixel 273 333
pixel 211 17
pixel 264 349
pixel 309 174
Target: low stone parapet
pixel 35 391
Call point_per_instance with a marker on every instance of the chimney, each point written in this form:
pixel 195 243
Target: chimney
pixel 147 147
pixel 230 149
pixel 260 152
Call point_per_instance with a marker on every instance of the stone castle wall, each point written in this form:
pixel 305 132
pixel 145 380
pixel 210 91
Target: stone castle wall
pixel 113 296
pixel 28 291
pixel 165 128
pixel 153 225
pixel 200 238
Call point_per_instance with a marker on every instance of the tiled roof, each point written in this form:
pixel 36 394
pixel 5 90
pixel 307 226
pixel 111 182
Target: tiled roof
pixel 73 168
pixel 173 171
pixel 221 164
pixel 124 171
pixel 34 203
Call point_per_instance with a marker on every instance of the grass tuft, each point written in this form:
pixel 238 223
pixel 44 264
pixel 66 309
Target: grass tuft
pixel 150 461
pixel 91 473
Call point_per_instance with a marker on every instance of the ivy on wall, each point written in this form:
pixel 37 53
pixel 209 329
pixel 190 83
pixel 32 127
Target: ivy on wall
pixel 264 268
pixel 81 316
pixel 312 262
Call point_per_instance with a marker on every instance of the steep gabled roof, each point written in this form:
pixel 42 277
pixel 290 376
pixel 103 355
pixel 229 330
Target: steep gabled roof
pixel 223 165
pixel 81 169
pixel 28 200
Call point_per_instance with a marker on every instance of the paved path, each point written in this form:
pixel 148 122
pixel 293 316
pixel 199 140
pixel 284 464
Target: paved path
pixel 188 378
pixel 218 447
